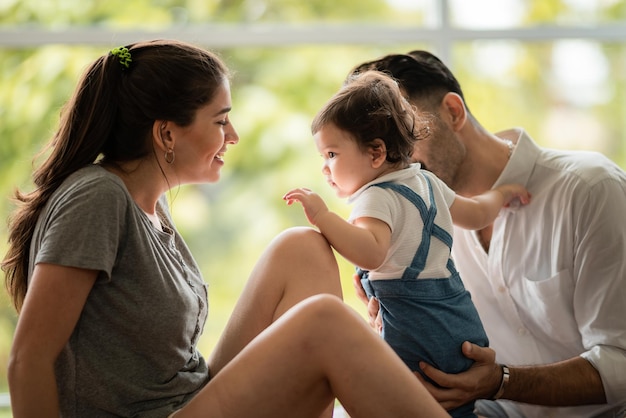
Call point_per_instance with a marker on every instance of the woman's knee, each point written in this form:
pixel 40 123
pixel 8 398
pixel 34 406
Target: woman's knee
pixel 305 252
pixel 302 240
pixel 326 312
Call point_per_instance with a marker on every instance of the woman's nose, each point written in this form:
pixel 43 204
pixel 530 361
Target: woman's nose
pixel 231 135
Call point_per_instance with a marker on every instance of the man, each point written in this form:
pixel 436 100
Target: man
pixel 549 279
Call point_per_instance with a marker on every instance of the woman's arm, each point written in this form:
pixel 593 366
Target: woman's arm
pixel 54 301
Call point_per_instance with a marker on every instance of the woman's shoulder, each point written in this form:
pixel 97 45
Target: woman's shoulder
pixel 95 184
pixel 93 178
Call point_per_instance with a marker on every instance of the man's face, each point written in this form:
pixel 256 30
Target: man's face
pixel 441 152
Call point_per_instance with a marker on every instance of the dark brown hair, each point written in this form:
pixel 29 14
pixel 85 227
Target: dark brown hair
pixel 109 118
pixel 370 106
pixel 423 77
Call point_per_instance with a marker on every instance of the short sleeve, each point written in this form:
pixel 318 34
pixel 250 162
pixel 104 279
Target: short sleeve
pixel 83 225
pixel 375 202
pixel 448 194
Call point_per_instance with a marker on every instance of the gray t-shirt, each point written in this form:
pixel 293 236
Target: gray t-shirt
pixel 133 351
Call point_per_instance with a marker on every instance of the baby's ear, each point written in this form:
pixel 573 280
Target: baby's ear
pixel 378 152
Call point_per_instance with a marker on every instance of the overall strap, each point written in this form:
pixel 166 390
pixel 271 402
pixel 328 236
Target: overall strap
pixel 430 228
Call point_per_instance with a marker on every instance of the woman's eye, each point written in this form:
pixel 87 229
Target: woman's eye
pixel 223 122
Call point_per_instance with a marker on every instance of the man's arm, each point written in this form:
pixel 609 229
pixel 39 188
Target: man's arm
pixel 567 383
pixel 571 382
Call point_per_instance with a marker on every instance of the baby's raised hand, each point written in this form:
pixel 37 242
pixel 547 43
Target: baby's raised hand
pixel 311 202
pixel 511 192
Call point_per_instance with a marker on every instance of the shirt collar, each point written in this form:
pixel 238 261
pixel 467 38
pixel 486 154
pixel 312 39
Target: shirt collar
pixel 525 154
pixel 401 174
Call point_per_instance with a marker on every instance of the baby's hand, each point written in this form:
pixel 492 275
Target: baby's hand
pixel 312 203
pixel 511 192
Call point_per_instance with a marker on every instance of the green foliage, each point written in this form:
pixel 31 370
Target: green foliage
pixel 156 14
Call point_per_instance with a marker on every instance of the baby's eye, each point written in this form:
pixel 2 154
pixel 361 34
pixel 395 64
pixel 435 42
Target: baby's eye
pixel 331 154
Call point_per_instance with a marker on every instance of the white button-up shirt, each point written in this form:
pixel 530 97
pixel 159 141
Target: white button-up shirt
pixel 553 285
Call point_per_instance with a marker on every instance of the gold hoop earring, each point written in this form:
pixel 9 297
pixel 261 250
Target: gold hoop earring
pixel 170 156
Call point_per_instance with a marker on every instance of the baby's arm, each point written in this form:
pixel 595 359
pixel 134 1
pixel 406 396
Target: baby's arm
pixel 479 211
pixel 364 244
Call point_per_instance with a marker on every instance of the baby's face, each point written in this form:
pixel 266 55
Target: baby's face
pixel 346 166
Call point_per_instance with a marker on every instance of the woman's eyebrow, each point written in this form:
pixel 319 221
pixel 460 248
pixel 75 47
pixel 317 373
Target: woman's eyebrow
pixel 224 110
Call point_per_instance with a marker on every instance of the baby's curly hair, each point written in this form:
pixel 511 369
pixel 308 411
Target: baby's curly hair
pixel 370 105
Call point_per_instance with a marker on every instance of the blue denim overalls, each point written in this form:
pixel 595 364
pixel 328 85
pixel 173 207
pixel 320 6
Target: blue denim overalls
pixel 427 319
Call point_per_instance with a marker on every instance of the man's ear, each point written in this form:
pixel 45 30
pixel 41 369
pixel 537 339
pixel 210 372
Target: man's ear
pixel 161 136
pixel 378 152
pixel 455 110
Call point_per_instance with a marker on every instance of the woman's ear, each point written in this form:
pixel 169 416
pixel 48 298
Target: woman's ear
pixel 455 110
pixel 161 136
pixel 378 152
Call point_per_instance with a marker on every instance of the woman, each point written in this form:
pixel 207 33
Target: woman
pixel 111 301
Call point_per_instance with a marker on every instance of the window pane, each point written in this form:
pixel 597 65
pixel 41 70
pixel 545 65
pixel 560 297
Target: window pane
pixel 498 14
pixel 567 94
pixel 144 14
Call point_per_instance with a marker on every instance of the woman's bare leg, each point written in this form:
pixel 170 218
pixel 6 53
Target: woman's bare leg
pixel 297 264
pixel 318 350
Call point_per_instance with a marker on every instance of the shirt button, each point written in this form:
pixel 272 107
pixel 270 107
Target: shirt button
pixel 522 331
pixel 502 289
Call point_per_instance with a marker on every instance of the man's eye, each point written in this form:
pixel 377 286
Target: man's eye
pixel 223 122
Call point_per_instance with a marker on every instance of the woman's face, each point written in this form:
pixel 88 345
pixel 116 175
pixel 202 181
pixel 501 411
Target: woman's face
pixel 200 147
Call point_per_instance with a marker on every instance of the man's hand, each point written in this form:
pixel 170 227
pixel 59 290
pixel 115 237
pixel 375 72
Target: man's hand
pixel 373 307
pixel 480 381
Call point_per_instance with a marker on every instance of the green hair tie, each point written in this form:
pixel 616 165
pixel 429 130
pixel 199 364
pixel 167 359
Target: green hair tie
pixel 123 55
